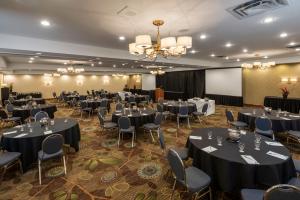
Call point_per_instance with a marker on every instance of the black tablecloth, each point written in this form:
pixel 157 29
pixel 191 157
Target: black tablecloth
pixel 173 106
pixel 279 124
pixel 21 102
pixel 137 98
pixel 24 113
pixel 172 95
pixel 138 118
pixel 229 172
pixel 30 144
pixel 226 99
pixel 96 103
pixel 32 94
pixel 77 97
pixel 289 104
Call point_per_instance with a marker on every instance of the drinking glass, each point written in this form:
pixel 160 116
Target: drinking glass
pixel 30 130
pixel 22 128
pixel 257 145
pixel 241 147
pixel 257 137
pixel 219 140
pixel 52 122
pixel 254 111
pixel 209 134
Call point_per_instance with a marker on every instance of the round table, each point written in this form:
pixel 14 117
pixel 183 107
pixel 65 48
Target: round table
pixel 137 98
pixel 95 103
pixel 30 144
pixel 173 106
pixel 21 102
pixel 137 118
pixel 24 112
pixel 229 171
pixel 77 97
pixel 280 123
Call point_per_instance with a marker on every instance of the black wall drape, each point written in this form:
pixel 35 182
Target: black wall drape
pixel 191 83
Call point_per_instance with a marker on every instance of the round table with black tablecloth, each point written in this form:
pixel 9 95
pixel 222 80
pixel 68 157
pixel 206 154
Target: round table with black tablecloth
pixel 77 97
pixel 137 118
pixel 32 94
pixel 30 144
pixel 173 106
pixel 24 112
pixel 94 104
pixel 21 102
pixel 282 122
pixel 137 98
pixel 229 172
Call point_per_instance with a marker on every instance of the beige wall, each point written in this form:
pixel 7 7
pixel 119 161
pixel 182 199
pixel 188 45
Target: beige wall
pixel 260 83
pixel 135 80
pixel 81 83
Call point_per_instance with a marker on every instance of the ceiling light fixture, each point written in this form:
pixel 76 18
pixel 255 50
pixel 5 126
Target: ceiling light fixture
pixel 45 23
pixel 297 49
pixel 165 47
pixel 193 51
pixel 92 64
pixel 258 65
pixel 122 38
pixel 30 61
pixel 292 44
pixel 238 60
pixel 245 50
pixel 31 58
pixel 203 36
pixel 212 55
pixel 283 35
pixel 114 66
pixel 268 20
pixel 265 57
pixel 99 63
pixel 227 58
pixel 38 53
pixel 228 44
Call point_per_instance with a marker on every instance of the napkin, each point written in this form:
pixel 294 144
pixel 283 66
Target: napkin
pixel 277 155
pixel 194 137
pixel 144 114
pixel 249 159
pixel 243 132
pixel 294 115
pixel 130 115
pixel 47 132
pixel 247 113
pixel 21 135
pixel 10 132
pixel 273 143
pixel 209 149
pixel 285 118
pixel 119 114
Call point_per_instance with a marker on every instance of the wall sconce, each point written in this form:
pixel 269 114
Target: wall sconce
pixel 48 83
pixel 105 79
pixel 289 80
pixel 294 80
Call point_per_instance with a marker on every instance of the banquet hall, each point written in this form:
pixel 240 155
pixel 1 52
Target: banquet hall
pixel 150 100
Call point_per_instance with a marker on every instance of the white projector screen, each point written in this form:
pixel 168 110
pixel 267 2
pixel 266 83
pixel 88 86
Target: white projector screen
pixel 148 82
pixel 224 81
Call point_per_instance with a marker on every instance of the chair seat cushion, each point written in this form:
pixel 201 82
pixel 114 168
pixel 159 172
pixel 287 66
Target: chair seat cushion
pixel 268 133
pixel 183 116
pixel 110 125
pixel 196 179
pixel 8 157
pixel 128 130
pixel 295 134
pixel 182 152
pixel 252 194
pixel 238 124
pixel 151 126
pixel 44 156
pixel 198 113
pixel 295 182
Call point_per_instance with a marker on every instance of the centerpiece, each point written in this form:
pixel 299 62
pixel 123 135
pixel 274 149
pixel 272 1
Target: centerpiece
pixel 285 92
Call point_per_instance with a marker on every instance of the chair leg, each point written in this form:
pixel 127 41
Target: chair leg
pixel 151 135
pixel 188 119
pixel 173 189
pixel 133 135
pixel 2 175
pixel 20 166
pixel 178 122
pixel 65 167
pixel 40 172
pixel 210 194
pixel 119 138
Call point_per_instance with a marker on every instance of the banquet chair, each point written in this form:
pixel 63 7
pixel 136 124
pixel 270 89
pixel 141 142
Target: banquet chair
pixel 263 126
pixel 119 106
pixel 52 147
pixel 125 127
pixel 8 160
pixel 33 112
pixel 5 117
pixel 145 102
pixel 106 126
pixel 149 127
pixel 160 109
pixel 297 166
pixel 294 136
pixel 202 113
pixel 84 108
pixel 131 101
pixel 276 192
pixel 6 102
pixel 40 115
pixel 232 122
pixel 104 105
pixel 194 179
pixel 11 99
pixel 183 113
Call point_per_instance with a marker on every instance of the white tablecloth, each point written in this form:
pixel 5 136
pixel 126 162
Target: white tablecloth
pixel 200 102
pixel 122 94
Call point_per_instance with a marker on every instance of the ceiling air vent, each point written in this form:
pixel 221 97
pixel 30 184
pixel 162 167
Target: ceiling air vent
pixel 255 7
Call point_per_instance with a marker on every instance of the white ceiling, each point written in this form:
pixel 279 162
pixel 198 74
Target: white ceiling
pixel 100 23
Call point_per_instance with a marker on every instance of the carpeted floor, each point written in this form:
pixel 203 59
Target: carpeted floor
pixel 101 170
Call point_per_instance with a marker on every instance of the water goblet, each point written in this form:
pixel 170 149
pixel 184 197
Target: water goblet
pixel 209 134
pixel 257 145
pixel 241 147
pixel 52 122
pixel 22 128
pixel 30 130
pixel 219 140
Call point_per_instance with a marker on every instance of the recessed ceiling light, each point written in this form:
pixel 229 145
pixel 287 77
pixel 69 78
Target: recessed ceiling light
pixel 122 38
pixel 38 53
pixel 100 63
pixel 292 43
pixel 30 61
pixel 45 22
pixel 265 57
pixel 212 55
pixel 114 66
pixel 132 67
pixel 283 35
pixel 135 61
pixel 226 57
pixel 268 20
pixel 193 51
pixel 31 58
pixel 203 36
pixel 92 64
pixel 245 50
pixel 228 44
pixel 170 67
pixel 65 63
pixel 142 65
pixel 36 56
pixel 297 49
pixel 238 60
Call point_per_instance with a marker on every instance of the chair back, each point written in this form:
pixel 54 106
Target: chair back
pixel 131 99
pixel 6 102
pixel 183 110
pixel 282 191
pixel 263 123
pixel 124 122
pixel 83 104
pixel 9 108
pixel 40 115
pixel 204 108
pixel 103 95
pixel 100 117
pixel 160 108
pixel 33 111
pixel 54 94
pixel 11 99
pixel 103 103
pixel 119 106
pixel 52 144
pixel 176 165
pixel 229 115
pixel 102 111
pixel 161 139
pixel 158 118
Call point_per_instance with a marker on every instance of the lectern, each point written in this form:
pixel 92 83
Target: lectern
pixel 159 93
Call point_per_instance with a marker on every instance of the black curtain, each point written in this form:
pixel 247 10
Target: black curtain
pixel 191 83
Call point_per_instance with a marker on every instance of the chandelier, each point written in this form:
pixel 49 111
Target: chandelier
pixel 258 65
pixel 157 72
pixel 165 47
pixel 70 70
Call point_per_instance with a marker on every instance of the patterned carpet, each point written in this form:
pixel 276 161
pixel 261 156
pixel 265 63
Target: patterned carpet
pixel 101 170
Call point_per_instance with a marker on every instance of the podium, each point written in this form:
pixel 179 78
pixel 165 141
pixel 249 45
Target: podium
pixel 159 93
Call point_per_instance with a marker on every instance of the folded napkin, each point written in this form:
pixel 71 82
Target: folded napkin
pixel 10 132
pixel 273 143
pixel 194 137
pixel 294 115
pixel 144 114
pixel 47 132
pixel 277 155
pixel 247 113
pixel 21 135
pixel 243 132
pixel 130 115
pixel 285 118
pixel 249 159
pixel 209 149
pixel 119 114
pixel 118 111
